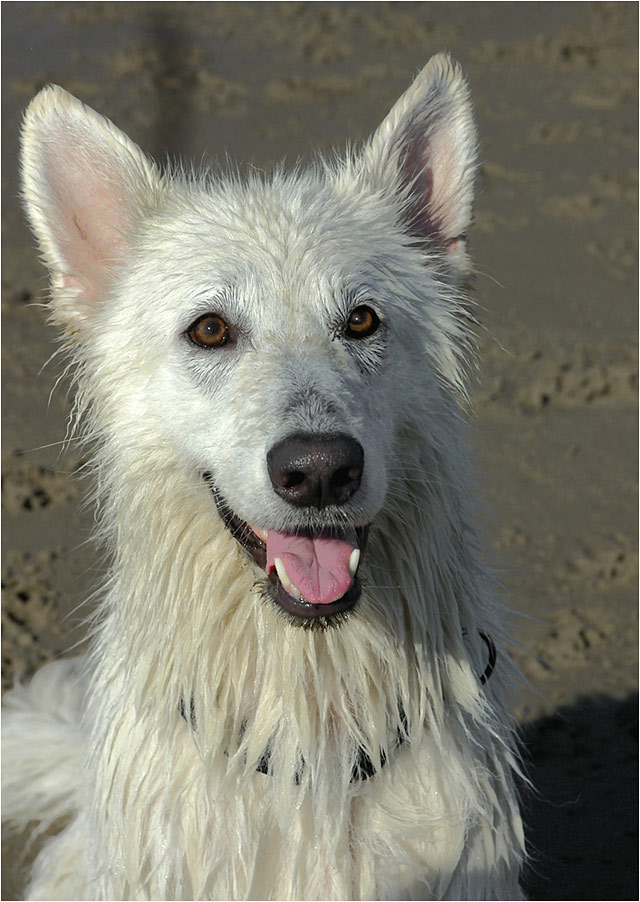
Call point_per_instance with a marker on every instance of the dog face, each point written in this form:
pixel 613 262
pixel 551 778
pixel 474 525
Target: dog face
pixel 269 337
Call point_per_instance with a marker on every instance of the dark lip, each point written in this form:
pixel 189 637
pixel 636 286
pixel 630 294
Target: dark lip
pixel 257 550
pixel 301 608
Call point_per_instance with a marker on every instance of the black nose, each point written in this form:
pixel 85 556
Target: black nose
pixel 316 470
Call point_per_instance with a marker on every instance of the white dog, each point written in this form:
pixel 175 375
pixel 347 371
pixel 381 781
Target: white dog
pixel 291 691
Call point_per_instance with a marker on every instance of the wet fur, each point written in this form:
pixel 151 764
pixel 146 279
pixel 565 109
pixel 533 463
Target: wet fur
pixel 151 747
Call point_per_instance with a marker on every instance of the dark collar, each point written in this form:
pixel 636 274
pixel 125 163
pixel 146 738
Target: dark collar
pixel 364 766
pixel 362 769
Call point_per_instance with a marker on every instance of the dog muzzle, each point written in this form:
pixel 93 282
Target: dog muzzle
pixel 312 575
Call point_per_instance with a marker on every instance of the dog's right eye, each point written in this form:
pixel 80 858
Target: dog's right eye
pixel 209 331
pixel 363 322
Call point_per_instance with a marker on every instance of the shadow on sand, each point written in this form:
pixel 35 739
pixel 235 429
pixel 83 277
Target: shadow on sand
pixel 582 818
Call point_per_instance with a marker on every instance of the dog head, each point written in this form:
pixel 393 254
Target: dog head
pixel 274 338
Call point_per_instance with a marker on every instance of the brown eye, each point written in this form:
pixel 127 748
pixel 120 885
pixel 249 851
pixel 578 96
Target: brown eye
pixel 210 331
pixel 363 322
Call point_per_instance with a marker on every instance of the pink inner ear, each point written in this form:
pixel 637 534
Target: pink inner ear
pixel 435 169
pixel 88 219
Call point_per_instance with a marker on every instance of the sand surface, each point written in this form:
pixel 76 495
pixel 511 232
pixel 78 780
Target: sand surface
pixel 555 89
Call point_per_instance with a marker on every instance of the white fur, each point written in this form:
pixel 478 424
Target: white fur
pixel 159 809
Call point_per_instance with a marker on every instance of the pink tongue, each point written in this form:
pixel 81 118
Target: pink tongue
pixel 318 568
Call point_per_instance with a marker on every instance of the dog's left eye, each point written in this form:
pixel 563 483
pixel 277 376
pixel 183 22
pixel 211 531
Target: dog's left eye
pixel 362 322
pixel 209 331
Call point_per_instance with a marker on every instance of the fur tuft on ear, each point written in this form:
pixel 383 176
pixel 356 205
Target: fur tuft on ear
pixel 425 153
pixel 85 187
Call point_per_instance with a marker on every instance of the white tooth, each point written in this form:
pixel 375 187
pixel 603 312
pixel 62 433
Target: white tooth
pixel 283 576
pixel 285 582
pixel 354 560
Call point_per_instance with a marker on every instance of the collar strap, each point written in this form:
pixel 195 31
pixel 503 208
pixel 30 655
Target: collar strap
pixel 364 767
pixel 493 656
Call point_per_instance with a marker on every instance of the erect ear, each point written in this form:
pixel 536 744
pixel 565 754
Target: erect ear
pixel 425 153
pixel 86 187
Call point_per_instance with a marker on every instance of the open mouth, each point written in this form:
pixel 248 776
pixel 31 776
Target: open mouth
pixel 311 574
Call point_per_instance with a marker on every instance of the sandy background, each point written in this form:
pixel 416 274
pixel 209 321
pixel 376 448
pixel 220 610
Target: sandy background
pixel 554 86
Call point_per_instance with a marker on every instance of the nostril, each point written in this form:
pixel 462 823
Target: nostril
pixel 344 476
pixel 316 470
pixel 291 480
